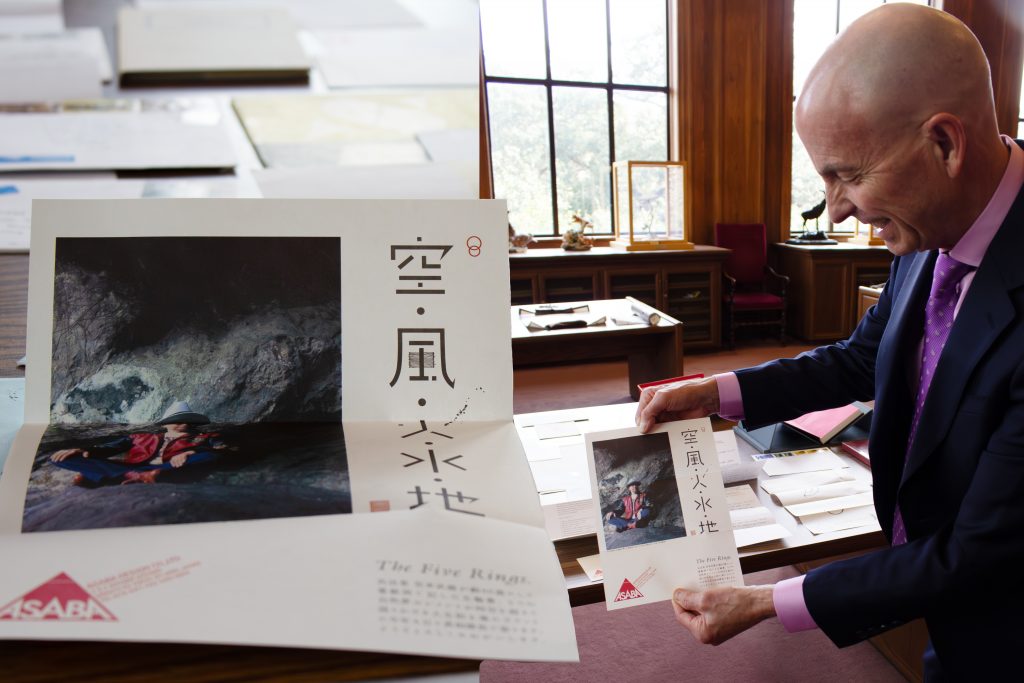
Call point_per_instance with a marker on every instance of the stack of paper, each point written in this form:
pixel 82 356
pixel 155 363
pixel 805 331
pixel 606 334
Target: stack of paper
pixel 822 493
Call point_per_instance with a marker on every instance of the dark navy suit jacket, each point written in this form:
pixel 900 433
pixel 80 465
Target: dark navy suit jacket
pixel 961 493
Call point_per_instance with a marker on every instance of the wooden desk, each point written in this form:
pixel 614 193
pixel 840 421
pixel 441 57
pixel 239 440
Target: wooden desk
pixel 685 284
pixel 800 546
pixel 652 351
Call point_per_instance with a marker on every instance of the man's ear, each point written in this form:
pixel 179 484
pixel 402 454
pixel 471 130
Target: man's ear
pixel 949 143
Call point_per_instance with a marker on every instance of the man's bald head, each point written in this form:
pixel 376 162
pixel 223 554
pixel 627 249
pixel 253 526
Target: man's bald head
pixel 899 121
pixel 896 66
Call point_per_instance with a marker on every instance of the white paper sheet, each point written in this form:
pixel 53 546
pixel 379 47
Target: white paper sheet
pixel 366 58
pixel 830 522
pixel 805 480
pixel 146 135
pixel 393 181
pixel 85 43
pixel 12 411
pixel 812 493
pixel 831 504
pixel 32 73
pixel 591 565
pixel 31 16
pixel 741 497
pixel 556 430
pixel 811 462
pixel 453 145
pixel 317 13
pixel 153 583
pixel 646 562
pixel 16 202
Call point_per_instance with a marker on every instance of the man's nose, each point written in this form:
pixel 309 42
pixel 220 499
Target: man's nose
pixel 839 207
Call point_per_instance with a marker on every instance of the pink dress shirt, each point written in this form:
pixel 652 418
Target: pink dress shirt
pixel 788 595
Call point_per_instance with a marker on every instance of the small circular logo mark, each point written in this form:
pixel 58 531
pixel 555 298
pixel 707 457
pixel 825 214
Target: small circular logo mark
pixel 473 245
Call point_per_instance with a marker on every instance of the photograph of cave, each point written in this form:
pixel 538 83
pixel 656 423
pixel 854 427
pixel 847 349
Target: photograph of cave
pixel 193 379
pixel 637 491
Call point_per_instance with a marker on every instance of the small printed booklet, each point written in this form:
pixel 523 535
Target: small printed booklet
pixel 218 44
pixel 661 511
pixel 206 458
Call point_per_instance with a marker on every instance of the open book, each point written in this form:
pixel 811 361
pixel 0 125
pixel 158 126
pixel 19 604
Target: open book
pixel 824 425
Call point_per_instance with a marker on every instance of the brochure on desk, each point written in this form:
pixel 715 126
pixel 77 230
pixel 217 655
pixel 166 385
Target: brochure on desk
pixel 206 458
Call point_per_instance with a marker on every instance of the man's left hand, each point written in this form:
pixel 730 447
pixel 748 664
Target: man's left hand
pixel 716 615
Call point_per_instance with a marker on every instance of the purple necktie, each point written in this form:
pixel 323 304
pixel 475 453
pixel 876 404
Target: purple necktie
pixel 938 320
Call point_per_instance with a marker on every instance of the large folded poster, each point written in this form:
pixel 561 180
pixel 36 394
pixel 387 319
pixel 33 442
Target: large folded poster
pixel 214 387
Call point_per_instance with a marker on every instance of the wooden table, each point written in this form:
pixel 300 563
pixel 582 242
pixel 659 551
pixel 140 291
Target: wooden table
pixel 652 351
pixel 800 546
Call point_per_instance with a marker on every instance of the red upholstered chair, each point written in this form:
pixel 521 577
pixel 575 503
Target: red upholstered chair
pixel 753 293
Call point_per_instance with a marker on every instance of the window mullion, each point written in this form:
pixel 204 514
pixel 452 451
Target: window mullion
pixel 551 122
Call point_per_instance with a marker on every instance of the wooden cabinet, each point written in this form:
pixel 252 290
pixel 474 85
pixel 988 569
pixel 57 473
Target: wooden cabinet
pixel 685 284
pixel 822 297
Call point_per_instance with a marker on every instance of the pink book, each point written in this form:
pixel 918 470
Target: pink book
pixel 823 425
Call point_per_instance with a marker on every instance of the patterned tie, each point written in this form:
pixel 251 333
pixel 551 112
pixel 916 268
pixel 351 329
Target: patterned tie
pixel 938 319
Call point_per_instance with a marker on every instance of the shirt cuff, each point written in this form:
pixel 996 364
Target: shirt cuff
pixel 788 597
pixel 730 400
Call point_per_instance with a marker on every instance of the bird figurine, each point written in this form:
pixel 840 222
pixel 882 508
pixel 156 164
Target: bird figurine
pixel 813 212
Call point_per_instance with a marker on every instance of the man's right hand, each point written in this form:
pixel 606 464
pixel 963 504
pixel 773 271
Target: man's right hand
pixel 682 401
pixel 67 453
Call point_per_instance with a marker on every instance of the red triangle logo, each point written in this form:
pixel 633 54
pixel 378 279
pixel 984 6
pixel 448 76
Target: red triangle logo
pixel 627 592
pixel 59 599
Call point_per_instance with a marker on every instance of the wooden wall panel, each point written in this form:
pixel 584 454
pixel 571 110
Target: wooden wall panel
pixel 999 25
pixel 734 111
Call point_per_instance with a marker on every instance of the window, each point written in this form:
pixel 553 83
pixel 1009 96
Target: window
pixel 571 86
pixel 815 25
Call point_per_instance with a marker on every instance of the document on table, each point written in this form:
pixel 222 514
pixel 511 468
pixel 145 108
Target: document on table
pixel 830 522
pixel 393 181
pixel 805 480
pixel 116 135
pixel 752 523
pixel 813 461
pixel 430 56
pixel 32 16
pixel 52 67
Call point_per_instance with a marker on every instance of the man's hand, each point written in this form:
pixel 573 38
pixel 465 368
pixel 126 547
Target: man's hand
pixel 66 453
pixel 716 615
pixel 680 401
pixel 179 459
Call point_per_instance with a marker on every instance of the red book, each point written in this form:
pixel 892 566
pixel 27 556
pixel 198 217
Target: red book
pixel 823 425
pixel 670 380
pixel 858 450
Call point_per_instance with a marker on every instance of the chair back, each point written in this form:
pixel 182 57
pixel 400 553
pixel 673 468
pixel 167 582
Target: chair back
pixel 749 245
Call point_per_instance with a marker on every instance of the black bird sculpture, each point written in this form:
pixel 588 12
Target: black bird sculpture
pixel 814 212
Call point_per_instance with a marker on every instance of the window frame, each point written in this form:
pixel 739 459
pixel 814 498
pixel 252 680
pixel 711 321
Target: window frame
pixel 669 90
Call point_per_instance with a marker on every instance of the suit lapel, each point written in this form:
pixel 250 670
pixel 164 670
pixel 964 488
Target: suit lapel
pixel 985 313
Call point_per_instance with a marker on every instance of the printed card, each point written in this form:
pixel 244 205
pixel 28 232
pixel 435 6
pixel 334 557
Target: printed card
pixel 661 511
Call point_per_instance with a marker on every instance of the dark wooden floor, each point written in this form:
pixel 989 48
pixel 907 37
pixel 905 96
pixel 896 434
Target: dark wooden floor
pixel 593 384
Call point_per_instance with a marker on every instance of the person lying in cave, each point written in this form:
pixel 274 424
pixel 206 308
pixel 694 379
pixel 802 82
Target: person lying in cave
pixel 144 457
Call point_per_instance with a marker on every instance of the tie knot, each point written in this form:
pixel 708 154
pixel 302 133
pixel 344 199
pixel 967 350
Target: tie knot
pixel 948 272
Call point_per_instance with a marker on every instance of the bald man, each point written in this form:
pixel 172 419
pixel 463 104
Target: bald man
pixel 899 121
